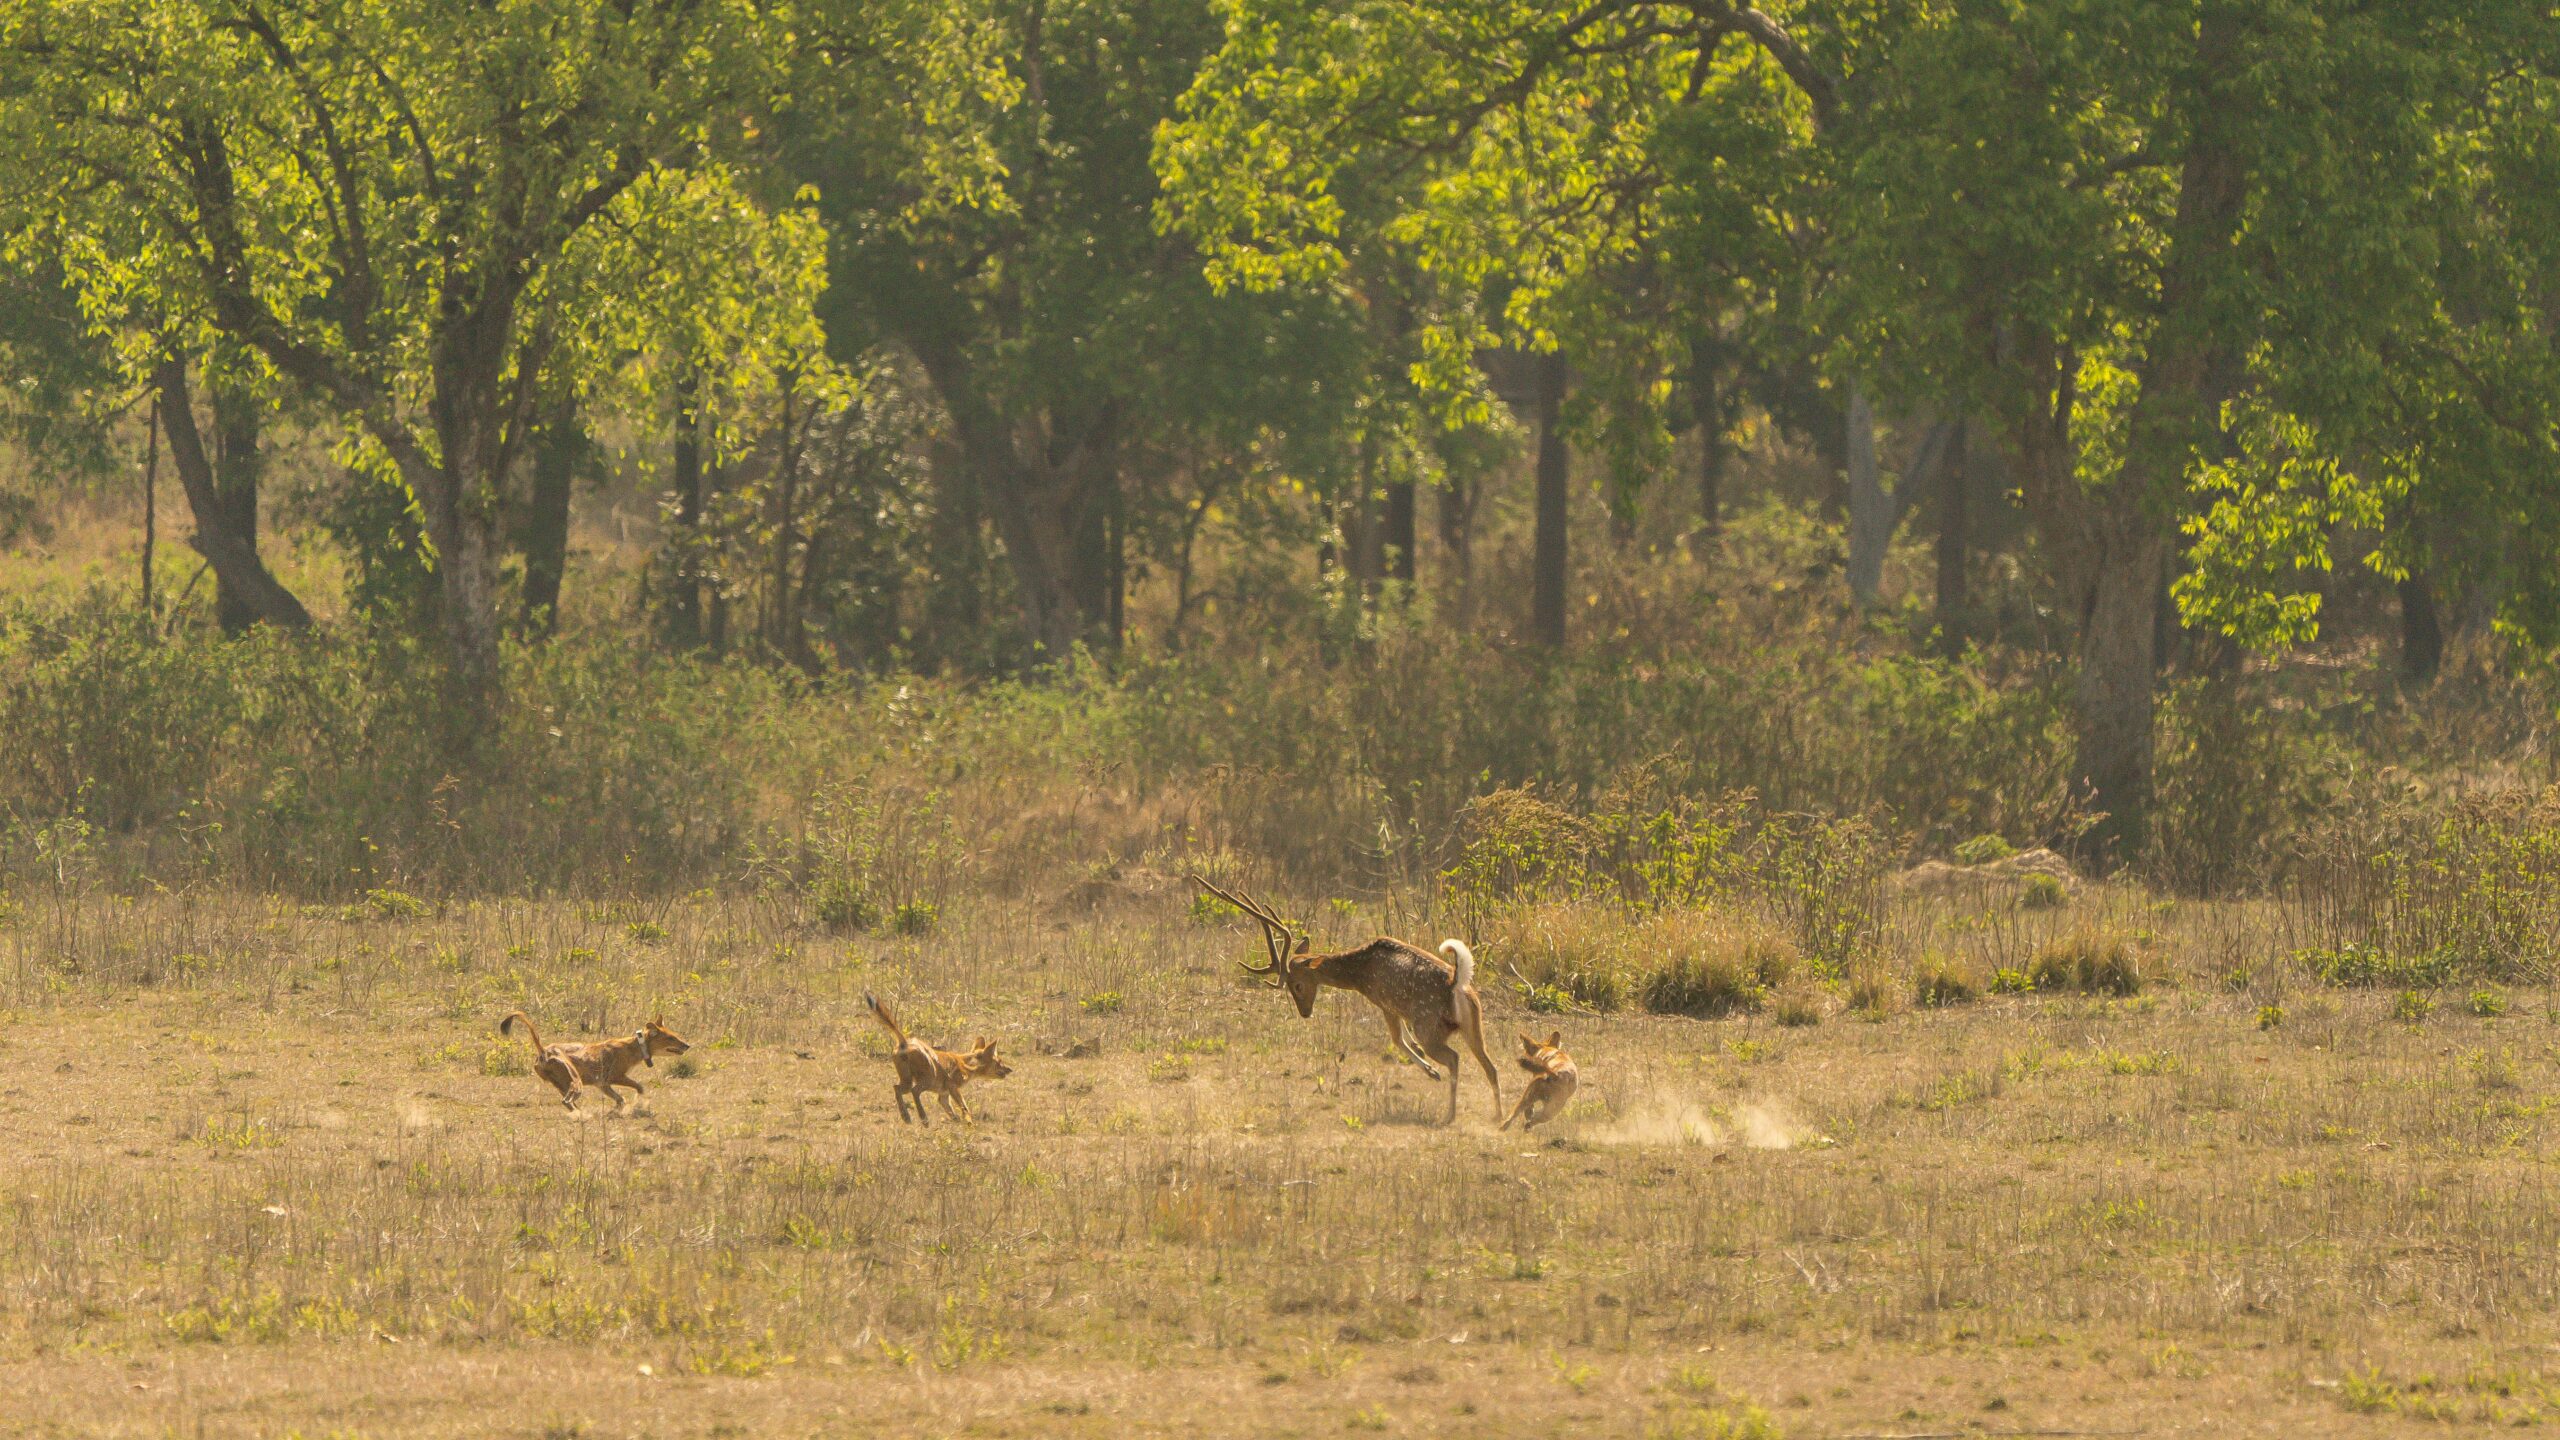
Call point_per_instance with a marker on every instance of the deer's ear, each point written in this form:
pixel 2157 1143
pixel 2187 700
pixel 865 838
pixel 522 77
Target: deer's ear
pixel 1302 945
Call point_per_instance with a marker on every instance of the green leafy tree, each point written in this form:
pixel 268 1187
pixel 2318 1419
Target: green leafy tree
pixel 379 203
pixel 2102 223
pixel 1101 400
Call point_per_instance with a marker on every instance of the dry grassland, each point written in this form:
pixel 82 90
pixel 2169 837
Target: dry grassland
pixel 272 1172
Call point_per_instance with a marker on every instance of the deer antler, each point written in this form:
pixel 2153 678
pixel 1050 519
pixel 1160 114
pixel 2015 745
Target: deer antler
pixel 1275 935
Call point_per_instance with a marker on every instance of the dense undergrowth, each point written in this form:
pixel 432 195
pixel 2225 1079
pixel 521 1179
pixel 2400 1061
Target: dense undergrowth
pixel 1648 820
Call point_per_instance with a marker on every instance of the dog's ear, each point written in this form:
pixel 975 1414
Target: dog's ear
pixel 1555 1039
pixel 1528 1046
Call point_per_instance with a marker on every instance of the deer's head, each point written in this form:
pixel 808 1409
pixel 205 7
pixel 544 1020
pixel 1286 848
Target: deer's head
pixel 1287 968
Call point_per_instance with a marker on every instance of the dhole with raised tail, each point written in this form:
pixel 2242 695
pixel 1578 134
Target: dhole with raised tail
pixel 921 1068
pixel 1555 1081
pixel 605 1064
pixel 1418 992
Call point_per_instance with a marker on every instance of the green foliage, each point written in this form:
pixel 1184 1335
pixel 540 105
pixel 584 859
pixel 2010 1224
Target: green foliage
pixel 2360 965
pixel 2043 892
pixel 2487 1004
pixel 1983 849
pixel 2411 1007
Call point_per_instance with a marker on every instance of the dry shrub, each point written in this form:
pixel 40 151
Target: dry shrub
pixel 1712 965
pixel 2090 961
pixel 1680 962
pixel 1943 980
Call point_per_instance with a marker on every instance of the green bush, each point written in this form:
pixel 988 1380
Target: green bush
pixel 2355 965
pixel 843 903
pixel 1983 849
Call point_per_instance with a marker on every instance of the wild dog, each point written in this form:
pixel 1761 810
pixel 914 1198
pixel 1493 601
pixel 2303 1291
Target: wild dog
pixel 606 1064
pixel 1556 1080
pixel 1414 989
pixel 921 1068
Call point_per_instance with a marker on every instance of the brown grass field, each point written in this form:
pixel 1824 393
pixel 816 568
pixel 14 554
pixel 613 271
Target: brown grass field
pixel 271 1172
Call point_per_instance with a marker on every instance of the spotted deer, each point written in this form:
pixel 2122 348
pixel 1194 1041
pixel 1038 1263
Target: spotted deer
pixel 1425 999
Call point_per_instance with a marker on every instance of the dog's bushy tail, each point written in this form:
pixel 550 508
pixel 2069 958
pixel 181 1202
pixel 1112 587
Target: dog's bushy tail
pixel 881 1013
pixel 508 1027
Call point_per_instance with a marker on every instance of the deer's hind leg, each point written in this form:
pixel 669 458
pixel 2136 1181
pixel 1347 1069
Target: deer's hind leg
pixel 1397 1036
pixel 1448 1065
pixel 1471 1030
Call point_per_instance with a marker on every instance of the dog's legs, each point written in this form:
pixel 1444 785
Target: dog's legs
pixel 900 1090
pixel 956 1112
pixel 1525 1097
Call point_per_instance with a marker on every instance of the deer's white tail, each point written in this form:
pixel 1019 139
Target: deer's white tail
pixel 1462 957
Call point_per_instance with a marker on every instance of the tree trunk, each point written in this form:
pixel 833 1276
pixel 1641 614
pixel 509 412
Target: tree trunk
pixel 1710 480
pixel 468 560
pixel 1039 585
pixel 236 466
pixel 2114 696
pixel 1363 533
pixel 151 519
pixel 237 569
pixel 2182 380
pixel 1548 563
pixel 1458 527
pixel 782 623
pixel 1082 497
pixel 1870 509
pixel 1399 538
pixel 544 535
pixel 1954 543
pixel 2421 631
pixel 684 585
